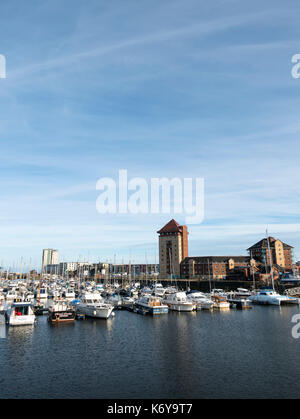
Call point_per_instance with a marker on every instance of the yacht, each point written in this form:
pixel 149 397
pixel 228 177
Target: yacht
pixel 127 300
pixel 202 301
pixel 42 294
pixel 93 305
pixel 242 292
pixel 69 294
pixel 146 291
pixel 20 313
pixel 11 295
pixel 54 293
pixel 115 300
pixel 178 301
pixel 170 290
pixel 270 296
pixel 158 290
pixel 152 304
pixel 29 296
pixel 219 291
pixel 291 278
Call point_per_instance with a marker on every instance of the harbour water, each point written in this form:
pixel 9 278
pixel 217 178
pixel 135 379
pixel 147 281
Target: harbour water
pixel 232 354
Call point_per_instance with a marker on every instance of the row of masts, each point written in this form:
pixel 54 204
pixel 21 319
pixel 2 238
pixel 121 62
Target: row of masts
pixel 80 272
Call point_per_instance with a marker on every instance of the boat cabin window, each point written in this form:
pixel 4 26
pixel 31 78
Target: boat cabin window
pixel 21 311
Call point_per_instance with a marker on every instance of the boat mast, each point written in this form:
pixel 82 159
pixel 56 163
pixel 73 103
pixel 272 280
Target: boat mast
pixel 170 264
pixel 252 268
pixel 28 272
pixel 40 281
pixel 209 275
pixel 271 265
pixel 21 269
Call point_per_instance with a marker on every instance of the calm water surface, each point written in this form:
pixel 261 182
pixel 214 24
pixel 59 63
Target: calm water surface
pixel 234 354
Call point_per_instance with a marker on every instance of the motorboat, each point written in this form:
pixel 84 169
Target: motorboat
pixel 93 305
pixel 170 290
pixel 270 296
pixel 29 296
pixel 99 288
pixel 115 300
pixel 152 304
pixel 242 292
pixel 55 294
pixel 42 294
pixel 158 290
pixel 146 291
pixel 291 278
pixel 220 302
pixel 239 302
pixel 11 295
pixel 219 291
pixel 202 301
pixel 134 292
pixel 60 311
pixel 127 300
pixel 178 301
pixel 20 313
pixel 69 294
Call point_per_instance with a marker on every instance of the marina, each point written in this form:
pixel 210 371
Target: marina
pixel 116 337
pixel 181 355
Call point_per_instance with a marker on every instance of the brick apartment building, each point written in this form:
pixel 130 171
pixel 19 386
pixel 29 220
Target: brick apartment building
pixel 174 260
pixel 215 267
pixel 280 253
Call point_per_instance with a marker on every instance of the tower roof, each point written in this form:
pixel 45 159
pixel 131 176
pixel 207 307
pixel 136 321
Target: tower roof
pixel 171 227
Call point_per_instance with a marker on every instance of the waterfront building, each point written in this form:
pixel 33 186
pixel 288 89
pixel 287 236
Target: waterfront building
pixel 135 270
pixel 280 253
pixel 215 267
pixel 50 257
pixel 173 248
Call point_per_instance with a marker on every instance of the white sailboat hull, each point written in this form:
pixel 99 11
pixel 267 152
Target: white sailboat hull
pixel 276 301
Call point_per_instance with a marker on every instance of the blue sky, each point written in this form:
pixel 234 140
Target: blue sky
pixel 172 88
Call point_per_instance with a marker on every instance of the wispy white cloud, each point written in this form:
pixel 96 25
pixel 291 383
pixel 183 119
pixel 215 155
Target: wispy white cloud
pixel 180 89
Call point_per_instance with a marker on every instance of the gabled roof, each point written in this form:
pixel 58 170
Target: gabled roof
pixel 171 227
pixel 264 244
